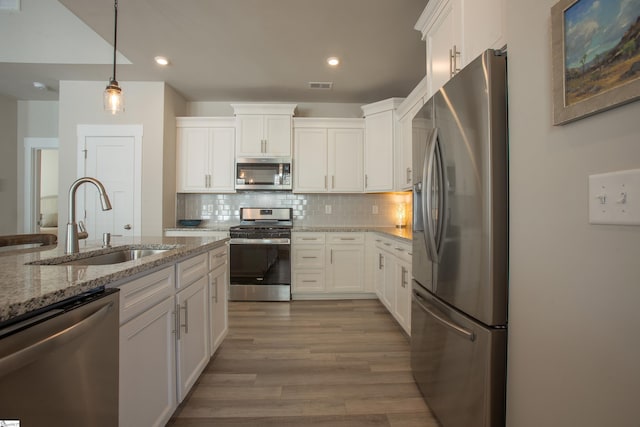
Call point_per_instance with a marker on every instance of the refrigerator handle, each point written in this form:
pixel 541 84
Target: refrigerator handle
pixel 443 320
pixel 427 198
pixel 441 180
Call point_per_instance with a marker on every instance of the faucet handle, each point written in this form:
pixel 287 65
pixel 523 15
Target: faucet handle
pixel 81 226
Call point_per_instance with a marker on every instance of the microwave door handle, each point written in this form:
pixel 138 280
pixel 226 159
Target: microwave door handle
pixel 427 200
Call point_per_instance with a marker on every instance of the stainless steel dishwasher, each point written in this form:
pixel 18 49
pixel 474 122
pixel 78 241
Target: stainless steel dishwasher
pixel 59 366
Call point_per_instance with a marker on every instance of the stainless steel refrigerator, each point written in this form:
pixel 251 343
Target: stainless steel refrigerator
pixel 460 246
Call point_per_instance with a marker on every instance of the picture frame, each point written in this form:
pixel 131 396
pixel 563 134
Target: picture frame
pixel 595 58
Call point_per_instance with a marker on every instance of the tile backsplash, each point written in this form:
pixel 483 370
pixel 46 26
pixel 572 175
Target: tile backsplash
pixel 374 210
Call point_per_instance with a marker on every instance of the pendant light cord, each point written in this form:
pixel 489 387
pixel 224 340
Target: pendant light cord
pixel 115 37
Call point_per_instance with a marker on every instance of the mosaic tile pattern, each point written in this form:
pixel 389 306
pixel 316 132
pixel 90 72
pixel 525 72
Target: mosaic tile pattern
pixel 308 209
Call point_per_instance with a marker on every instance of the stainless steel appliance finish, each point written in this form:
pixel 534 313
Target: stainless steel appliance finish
pixel 59 367
pixel 260 255
pixel 263 173
pixel 460 237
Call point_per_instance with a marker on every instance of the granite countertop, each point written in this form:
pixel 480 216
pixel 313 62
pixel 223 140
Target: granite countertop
pixel 401 233
pixel 25 288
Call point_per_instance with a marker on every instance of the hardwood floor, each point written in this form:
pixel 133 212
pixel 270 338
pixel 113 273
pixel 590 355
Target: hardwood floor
pixel 308 363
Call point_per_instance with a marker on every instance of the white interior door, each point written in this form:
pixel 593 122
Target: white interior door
pixel 111 154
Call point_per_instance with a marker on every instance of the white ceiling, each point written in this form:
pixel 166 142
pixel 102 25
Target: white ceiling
pixel 220 50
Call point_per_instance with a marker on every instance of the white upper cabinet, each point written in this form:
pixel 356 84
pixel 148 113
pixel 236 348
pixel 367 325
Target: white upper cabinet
pixel 328 155
pixel 205 155
pixel 407 134
pixel 456 32
pixel 310 160
pixel 263 130
pixel 345 155
pixel 380 124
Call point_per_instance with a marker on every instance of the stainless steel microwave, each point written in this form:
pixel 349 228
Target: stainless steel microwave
pixel 263 173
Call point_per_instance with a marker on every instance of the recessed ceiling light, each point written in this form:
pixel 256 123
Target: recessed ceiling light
pixel 39 85
pixel 161 60
pixel 333 61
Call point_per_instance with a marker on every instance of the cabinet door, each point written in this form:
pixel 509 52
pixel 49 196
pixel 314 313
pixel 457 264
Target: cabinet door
pixel 222 159
pixel 192 334
pixel 218 281
pixel 390 280
pixel 147 367
pixel 404 173
pixel 379 275
pixel 379 152
pixel 345 167
pixel 193 159
pixel 484 24
pixel 277 135
pixel 403 295
pixel 250 135
pixel 310 160
pixel 345 268
pixel 440 40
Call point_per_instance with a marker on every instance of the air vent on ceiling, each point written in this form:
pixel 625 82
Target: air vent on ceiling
pixel 320 85
pixel 10 5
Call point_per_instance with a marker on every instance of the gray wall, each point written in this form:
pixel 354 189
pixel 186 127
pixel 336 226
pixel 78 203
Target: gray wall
pixel 8 166
pixel 574 287
pixel 174 105
pixel 81 103
pixel 36 119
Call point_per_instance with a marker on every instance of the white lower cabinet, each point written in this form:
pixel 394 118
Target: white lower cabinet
pixel 147 367
pixel 328 265
pixel 166 331
pixel 218 296
pixel 192 349
pixel 345 268
pixel 392 278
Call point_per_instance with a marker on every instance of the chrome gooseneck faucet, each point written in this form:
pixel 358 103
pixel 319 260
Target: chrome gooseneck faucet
pixel 72 245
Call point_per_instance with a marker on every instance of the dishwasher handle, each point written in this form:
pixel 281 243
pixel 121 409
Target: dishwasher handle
pixel 29 354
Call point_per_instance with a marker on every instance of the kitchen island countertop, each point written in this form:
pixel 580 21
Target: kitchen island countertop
pixel 25 288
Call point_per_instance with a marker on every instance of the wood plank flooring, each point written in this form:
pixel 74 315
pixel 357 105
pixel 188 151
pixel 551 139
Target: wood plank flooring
pixel 308 363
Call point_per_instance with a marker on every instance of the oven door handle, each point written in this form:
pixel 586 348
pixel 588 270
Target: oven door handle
pixel 238 241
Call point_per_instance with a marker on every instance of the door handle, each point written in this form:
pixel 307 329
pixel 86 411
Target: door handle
pixel 429 229
pixel 443 320
pixel 186 317
pixel 127 226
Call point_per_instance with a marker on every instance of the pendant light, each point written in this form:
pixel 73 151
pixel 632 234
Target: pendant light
pixel 113 97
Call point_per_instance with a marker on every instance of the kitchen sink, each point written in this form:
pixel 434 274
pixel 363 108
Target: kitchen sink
pixel 117 256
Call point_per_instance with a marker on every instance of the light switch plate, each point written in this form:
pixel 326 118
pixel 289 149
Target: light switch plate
pixel 614 198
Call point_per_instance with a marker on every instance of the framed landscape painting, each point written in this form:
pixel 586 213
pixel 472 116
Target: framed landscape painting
pixel 596 56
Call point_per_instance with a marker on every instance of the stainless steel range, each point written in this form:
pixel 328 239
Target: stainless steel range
pixel 260 255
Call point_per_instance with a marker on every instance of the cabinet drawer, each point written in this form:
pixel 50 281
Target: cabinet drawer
pixel 308 281
pixel 308 238
pixel 217 257
pixel 141 294
pixel 191 270
pixel 308 256
pixel 346 238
